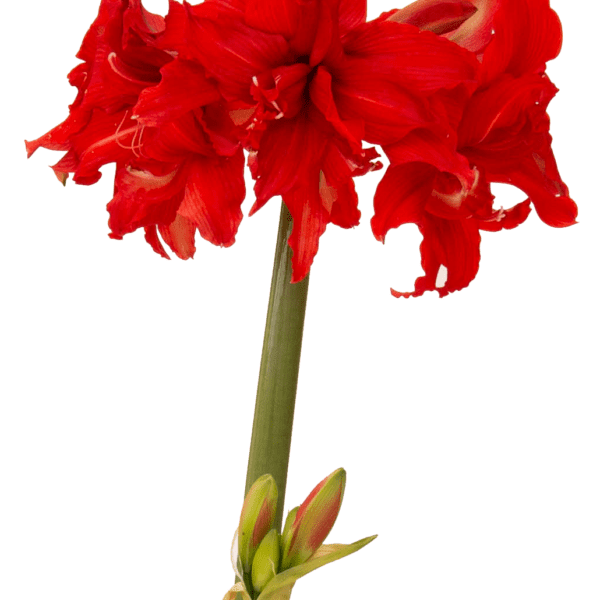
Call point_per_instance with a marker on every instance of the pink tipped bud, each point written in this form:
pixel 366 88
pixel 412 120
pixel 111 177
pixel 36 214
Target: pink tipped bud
pixel 258 514
pixel 314 520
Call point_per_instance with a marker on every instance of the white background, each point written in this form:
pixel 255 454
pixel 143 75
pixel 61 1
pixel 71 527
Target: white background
pixel 469 426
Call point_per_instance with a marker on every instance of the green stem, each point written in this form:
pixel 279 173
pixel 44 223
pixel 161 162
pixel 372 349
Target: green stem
pixel 278 378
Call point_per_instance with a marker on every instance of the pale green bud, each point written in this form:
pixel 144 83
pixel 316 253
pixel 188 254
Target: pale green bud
pixel 287 527
pixel 266 561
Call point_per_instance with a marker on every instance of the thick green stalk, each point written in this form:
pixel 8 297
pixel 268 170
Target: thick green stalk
pixel 278 378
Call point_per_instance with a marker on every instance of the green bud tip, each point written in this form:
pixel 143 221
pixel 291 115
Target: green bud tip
pixel 289 520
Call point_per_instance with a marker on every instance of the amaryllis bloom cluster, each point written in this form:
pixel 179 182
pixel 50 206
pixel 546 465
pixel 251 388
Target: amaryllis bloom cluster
pixel 453 91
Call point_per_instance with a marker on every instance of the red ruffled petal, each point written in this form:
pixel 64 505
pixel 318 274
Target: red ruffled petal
pixel 144 199
pixel 424 146
pixel 284 17
pixel 401 197
pixel 230 51
pixel 343 200
pixel 322 97
pixel 549 194
pixel 214 193
pixel 506 132
pixel 183 87
pixel 179 235
pixel 105 139
pixel 391 75
pixel 151 236
pixel 527 35
pixel 450 245
pixel 439 16
pixel 310 221
pixel 506 218
pixel 476 32
pixel 177 140
pixel 418 60
pixel 351 14
pixel 388 111
pixel 504 108
pixel 290 154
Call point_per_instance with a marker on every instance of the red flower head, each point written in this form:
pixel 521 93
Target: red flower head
pixel 175 174
pixel 502 136
pixel 307 81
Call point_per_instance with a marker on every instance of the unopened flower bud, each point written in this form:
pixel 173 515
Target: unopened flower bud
pixel 314 520
pixel 289 520
pixel 266 561
pixel 258 514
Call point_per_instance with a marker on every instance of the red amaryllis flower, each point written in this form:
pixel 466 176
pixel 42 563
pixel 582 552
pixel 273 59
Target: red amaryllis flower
pixel 502 136
pixel 175 173
pixel 307 81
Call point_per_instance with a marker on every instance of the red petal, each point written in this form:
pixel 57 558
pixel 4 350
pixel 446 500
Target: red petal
pixel 281 91
pixel 183 87
pixel 390 72
pixel 343 200
pixel 176 140
pixel 214 193
pixel 420 60
pixel 179 235
pixel 550 196
pixel 401 197
pixel 322 97
pixel 143 199
pixel 143 21
pixel 451 244
pixel 296 20
pixel 179 28
pixel 439 16
pixel 105 139
pixel 508 130
pixel 278 16
pixel 120 58
pixel 388 111
pixel 151 236
pixel 57 138
pixel 508 218
pixel 232 52
pixel 67 164
pixel 351 14
pixel 507 103
pixel 327 47
pixel 527 35
pixel 220 129
pixel 476 32
pixel 290 154
pixel 310 221
pixel 338 194
pixel 424 146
